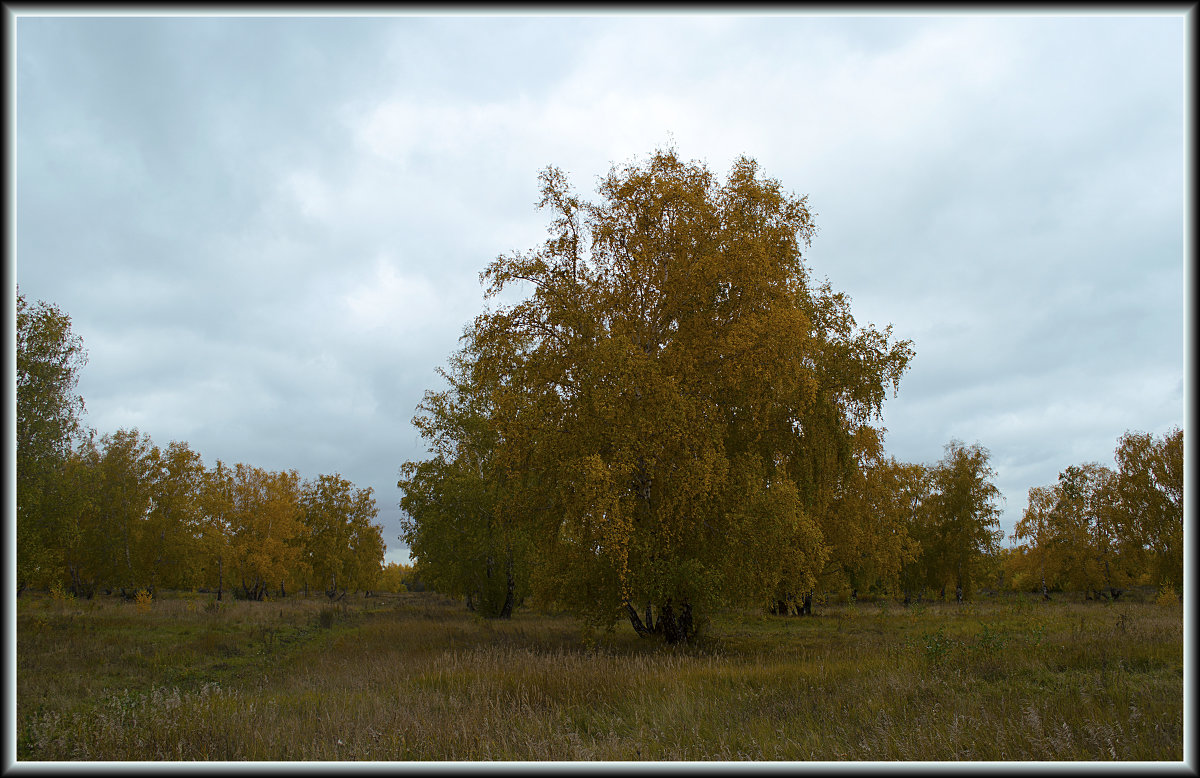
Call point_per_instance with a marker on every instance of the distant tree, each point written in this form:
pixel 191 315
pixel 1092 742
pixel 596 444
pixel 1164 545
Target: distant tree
pixel 456 538
pixel 888 496
pixel 49 358
pixel 171 548
pixel 1147 497
pixel 366 551
pixel 1085 532
pixel 1037 532
pixel 1099 531
pixel 127 464
pixel 216 508
pixel 1017 572
pixel 964 515
pixel 133 518
pixel 81 536
pixel 336 544
pixel 263 527
pixel 463 522
pixel 366 543
pixel 325 509
pixel 909 489
pixel 393 576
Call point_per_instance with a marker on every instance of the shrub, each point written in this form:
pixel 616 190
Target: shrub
pixel 59 592
pixel 937 646
pixel 1167 596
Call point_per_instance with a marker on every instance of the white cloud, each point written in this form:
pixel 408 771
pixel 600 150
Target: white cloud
pixel 310 193
pixel 395 303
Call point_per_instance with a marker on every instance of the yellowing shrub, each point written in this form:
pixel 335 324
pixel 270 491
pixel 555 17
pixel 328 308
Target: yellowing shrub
pixel 1167 596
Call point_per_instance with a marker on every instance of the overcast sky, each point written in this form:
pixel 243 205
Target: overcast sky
pixel 268 231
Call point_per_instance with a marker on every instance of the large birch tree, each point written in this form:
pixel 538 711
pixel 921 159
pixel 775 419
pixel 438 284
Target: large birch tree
pixel 675 403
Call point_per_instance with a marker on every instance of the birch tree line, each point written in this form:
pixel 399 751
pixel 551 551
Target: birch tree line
pixel 119 514
pixel 1102 530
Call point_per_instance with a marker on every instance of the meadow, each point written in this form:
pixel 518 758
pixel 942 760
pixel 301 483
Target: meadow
pixel 416 677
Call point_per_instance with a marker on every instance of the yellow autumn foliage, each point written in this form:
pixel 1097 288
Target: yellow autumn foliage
pixel 673 404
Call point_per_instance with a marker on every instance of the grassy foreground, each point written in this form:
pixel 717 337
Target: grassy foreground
pixel 416 677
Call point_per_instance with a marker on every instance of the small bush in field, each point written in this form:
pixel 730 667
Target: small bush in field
pixel 937 646
pixel 143 599
pixel 992 641
pixel 1166 596
pixel 59 592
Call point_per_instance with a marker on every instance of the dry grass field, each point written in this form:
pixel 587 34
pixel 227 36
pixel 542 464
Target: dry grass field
pixel 416 677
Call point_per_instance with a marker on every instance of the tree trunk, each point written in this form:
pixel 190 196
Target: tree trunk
pixel 636 621
pixel 220 576
pixel 1114 591
pixel 676 629
pixel 670 626
pixel 806 609
pixel 79 587
pixel 255 591
pixel 686 626
pixel 511 587
pixel 128 560
pixel 672 630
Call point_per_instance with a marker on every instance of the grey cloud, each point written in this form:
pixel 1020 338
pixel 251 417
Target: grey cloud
pixel 204 197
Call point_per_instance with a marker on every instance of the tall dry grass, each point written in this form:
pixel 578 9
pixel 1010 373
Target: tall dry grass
pixel 415 677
